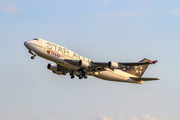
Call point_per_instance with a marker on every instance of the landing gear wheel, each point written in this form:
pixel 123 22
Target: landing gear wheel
pixel 85 77
pixel 72 77
pixel 32 57
pixel 80 77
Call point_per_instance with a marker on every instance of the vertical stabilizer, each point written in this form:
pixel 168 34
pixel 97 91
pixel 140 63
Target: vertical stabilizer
pixel 138 70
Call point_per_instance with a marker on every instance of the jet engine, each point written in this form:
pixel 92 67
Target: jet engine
pixel 83 64
pixel 52 67
pixel 113 65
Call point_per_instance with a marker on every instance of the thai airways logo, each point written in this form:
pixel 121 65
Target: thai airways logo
pixel 53 53
pixel 48 51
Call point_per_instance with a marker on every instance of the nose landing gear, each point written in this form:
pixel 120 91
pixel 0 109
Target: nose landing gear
pixel 34 55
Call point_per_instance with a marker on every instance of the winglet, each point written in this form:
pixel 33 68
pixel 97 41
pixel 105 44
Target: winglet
pixel 154 62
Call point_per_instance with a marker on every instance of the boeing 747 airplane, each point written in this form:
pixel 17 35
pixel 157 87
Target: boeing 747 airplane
pixel 67 61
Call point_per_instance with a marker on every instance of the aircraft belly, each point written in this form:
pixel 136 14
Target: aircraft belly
pixel 107 75
pixel 114 76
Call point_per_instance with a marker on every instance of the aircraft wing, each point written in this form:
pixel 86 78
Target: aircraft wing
pixel 105 64
pixel 112 65
pixel 120 65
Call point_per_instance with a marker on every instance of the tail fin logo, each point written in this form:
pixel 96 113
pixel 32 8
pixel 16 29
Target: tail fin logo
pixel 138 69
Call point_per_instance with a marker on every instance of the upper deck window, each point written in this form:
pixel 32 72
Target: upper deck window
pixel 36 39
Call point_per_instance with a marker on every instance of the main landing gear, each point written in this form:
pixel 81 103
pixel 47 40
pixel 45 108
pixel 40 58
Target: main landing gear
pixel 72 75
pixel 85 77
pixel 81 75
pixel 34 55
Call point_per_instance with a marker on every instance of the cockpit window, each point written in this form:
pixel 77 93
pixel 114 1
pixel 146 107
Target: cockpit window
pixel 36 39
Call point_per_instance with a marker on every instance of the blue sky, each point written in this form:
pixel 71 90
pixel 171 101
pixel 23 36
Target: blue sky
pixel 102 30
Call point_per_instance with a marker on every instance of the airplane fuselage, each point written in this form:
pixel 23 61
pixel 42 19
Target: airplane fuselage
pixel 58 54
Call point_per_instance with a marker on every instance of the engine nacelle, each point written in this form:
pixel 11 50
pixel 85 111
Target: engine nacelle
pixel 113 65
pixel 83 64
pixel 58 72
pixel 52 67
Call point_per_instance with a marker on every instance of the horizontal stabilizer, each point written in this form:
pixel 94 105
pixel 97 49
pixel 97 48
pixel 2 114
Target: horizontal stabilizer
pixel 143 79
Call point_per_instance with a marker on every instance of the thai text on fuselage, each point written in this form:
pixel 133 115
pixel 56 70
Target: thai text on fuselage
pixel 65 51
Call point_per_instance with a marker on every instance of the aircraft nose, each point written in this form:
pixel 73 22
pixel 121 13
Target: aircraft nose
pixel 26 43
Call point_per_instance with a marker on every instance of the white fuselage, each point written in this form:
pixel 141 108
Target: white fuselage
pixel 58 53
